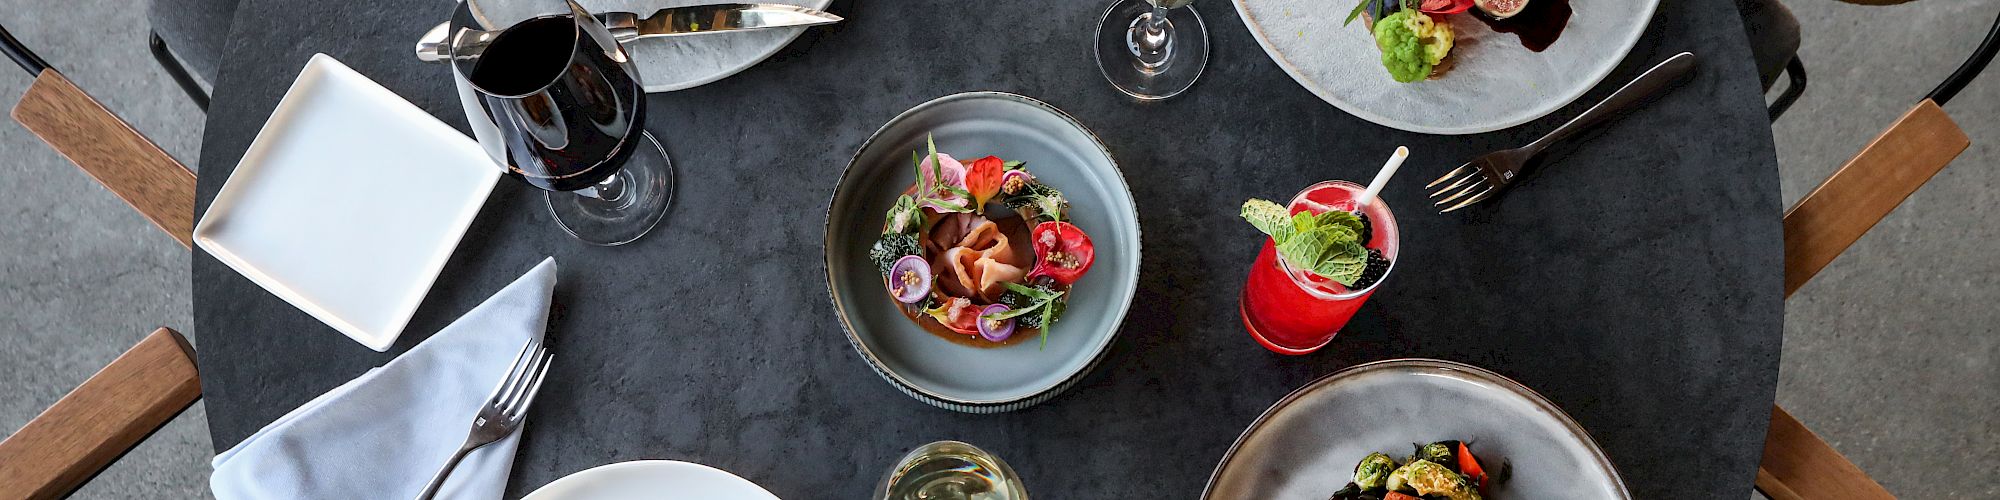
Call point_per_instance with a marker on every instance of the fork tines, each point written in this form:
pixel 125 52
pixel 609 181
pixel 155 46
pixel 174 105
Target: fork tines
pixel 523 381
pixel 1465 185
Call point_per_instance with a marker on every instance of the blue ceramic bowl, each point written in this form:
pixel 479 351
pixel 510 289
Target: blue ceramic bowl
pixel 1058 151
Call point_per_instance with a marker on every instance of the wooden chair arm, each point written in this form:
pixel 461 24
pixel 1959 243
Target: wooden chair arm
pixel 102 419
pixel 1836 214
pixel 1798 466
pixel 108 149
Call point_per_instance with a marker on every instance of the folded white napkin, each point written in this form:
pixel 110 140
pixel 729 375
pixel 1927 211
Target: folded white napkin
pixel 383 434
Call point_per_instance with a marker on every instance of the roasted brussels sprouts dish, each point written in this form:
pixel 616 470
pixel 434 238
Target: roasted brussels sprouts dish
pixel 1444 470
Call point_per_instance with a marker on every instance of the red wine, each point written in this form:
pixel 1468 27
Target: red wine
pixel 568 113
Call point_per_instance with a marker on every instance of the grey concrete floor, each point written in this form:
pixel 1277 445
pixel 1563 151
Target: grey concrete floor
pixel 82 276
pixel 1889 353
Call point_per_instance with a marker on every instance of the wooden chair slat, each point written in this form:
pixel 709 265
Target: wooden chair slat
pixel 107 148
pixel 108 415
pixel 1836 214
pixel 1799 465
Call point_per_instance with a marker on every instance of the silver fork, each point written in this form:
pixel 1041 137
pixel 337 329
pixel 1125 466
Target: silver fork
pixel 1487 175
pixel 502 414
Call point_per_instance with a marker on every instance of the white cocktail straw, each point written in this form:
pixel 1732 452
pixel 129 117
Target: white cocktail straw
pixel 1382 178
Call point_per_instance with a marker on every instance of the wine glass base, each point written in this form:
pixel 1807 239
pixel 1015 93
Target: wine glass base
pixel 623 210
pixel 1150 76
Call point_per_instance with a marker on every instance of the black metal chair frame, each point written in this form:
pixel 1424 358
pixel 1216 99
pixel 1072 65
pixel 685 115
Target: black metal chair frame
pixel 178 71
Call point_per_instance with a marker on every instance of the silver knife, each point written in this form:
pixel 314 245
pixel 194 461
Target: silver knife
pixel 673 21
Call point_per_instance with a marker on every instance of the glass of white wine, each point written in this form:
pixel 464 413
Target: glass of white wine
pixel 951 470
pixel 1152 49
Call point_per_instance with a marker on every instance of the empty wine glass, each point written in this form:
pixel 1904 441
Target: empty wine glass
pixel 1152 49
pixel 556 101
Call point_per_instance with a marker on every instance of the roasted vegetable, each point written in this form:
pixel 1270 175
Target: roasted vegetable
pixel 1373 471
pixel 1438 453
pixel 1430 479
pixel 1349 492
pixel 1468 466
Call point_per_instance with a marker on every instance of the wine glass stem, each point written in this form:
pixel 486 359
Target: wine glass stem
pixel 610 189
pixel 1155 30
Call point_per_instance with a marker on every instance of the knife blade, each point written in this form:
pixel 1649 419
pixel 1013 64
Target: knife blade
pixel 711 18
pixel 672 21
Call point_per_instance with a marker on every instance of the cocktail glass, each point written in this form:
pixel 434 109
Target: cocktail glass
pixel 1290 310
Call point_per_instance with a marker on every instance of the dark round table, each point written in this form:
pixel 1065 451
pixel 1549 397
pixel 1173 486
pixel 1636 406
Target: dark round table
pixel 1634 281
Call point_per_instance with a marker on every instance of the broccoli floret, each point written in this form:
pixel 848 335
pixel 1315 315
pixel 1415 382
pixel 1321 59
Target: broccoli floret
pixel 893 246
pixel 1402 50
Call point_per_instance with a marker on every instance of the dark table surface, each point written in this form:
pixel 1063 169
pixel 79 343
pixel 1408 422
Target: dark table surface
pixel 1635 281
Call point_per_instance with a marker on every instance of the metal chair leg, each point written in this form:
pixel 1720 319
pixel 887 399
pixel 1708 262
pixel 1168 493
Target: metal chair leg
pixel 1794 89
pixel 20 53
pixel 176 70
pixel 1966 72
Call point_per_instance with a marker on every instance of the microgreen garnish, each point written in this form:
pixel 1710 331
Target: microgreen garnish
pixel 1328 244
pixel 1044 301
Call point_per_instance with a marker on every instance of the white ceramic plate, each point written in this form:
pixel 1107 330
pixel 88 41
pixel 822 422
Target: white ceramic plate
pixel 651 480
pixel 1306 445
pixel 348 202
pixel 675 63
pixel 1495 83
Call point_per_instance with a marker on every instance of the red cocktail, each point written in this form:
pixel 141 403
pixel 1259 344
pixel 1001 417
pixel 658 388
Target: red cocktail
pixel 1291 310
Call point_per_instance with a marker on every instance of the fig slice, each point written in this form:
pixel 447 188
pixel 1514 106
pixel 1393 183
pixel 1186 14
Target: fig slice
pixel 1501 9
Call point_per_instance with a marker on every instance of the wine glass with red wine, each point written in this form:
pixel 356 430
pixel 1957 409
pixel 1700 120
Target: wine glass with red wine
pixel 557 102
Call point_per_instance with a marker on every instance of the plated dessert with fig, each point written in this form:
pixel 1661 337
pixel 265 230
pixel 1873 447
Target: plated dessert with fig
pixel 981 252
pixel 1416 36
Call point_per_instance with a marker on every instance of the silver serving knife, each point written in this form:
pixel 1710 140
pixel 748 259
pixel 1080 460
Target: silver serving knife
pixel 673 21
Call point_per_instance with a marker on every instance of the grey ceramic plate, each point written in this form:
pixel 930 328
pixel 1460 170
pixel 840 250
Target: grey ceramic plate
pixel 1305 447
pixel 1495 84
pixel 1058 151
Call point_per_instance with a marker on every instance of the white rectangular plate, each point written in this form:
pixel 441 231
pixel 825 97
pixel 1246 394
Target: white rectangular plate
pixel 348 202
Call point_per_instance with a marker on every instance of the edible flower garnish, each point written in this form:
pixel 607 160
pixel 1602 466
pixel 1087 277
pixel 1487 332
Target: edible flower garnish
pixel 910 279
pixel 983 180
pixel 1062 252
pixel 1328 244
pixel 957 314
pixel 940 181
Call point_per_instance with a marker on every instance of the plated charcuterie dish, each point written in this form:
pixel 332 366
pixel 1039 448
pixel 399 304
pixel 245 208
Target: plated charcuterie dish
pixel 980 252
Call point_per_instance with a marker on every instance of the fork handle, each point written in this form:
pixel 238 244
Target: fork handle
pixel 431 490
pixel 1653 81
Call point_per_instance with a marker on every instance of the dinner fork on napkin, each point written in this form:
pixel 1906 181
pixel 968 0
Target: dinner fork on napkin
pixel 381 434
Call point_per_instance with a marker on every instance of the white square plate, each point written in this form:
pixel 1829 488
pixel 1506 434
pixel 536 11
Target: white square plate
pixel 348 202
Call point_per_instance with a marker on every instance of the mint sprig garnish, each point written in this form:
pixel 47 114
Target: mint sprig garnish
pixel 1328 244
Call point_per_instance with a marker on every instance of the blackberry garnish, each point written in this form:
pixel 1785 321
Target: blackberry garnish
pixel 1367 228
pixel 1377 266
